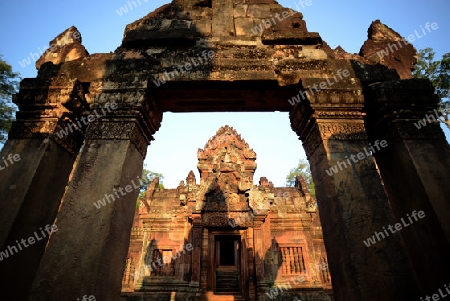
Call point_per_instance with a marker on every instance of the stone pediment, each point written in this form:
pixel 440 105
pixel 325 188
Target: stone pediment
pixel 226 166
pixel 227 152
pixel 182 22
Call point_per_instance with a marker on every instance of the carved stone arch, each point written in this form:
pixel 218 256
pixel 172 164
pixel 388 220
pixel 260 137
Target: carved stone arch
pixel 232 67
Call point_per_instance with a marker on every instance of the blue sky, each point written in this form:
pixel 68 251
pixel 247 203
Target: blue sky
pixel 28 26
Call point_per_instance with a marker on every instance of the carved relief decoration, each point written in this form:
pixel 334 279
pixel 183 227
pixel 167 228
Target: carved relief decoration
pixel 343 130
pixel 232 219
pixel 226 166
pixel 57 104
pixel 47 128
pixel 119 130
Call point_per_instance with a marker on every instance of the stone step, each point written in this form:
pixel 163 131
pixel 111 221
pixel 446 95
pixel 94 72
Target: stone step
pixel 227 281
pixel 227 298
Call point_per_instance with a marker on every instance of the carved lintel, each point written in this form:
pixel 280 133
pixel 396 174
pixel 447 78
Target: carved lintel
pixel 227 219
pixel 338 114
pixel 343 131
pixel 336 97
pixel 123 129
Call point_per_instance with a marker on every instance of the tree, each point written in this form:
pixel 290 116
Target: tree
pixel 147 177
pixel 301 170
pixel 9 82
pixel 438 72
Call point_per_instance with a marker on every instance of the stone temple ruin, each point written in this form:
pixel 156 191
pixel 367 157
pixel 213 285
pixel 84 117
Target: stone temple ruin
pixel 233 221
pixel 66 114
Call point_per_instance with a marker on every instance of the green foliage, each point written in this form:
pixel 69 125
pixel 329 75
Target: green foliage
pixel 303 170
pixel 438 72
pixel 9 82
pixel 146 179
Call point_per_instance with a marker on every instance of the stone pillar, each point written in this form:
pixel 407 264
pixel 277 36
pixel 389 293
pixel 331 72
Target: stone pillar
pixel 87 255
pixel 250 249
pixel 415 168
pixel 258 239
pixel 351 199
pixel 197 251
pixel 32 186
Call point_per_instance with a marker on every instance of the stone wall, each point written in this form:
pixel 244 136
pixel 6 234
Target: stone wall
pixel 280 230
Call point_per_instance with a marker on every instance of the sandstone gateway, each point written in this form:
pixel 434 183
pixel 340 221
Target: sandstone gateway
pixel 241 241
pixel 248 71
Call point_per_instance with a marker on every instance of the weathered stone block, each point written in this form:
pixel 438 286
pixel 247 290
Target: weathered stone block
pixel 245 27
pixel 203 26
pixel 258 11
pixel 240 11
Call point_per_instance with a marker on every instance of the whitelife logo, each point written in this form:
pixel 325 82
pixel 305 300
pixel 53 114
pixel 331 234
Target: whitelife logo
pixel 302 95
pixel 91 118
pixel 398 226
pixel 429 119
pixel 284 15
pixel 392 47
pixel 33 57
pixel 124 9
pixel 273 292
pixel 11 158
pixel 188 66
pixel 86 298
pixel 11 250
pixel 334 169
pixel 437 297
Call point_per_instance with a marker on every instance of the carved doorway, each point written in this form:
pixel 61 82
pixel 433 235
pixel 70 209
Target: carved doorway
pixel 227 272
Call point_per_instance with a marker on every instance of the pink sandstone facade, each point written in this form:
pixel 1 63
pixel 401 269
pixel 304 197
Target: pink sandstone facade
pixel 234 239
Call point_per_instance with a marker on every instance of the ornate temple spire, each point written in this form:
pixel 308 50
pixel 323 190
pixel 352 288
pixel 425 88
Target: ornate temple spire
pixel 227 152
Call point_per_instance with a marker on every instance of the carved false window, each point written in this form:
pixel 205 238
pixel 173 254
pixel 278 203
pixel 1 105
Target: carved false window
pixel 292 260
pixel 163 263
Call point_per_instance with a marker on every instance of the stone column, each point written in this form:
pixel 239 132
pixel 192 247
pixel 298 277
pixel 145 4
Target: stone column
pixel 32 184
pixel 258 239
pixel 415 168
pixel 87 255
pixel 351 199
pixel 197 251
pixel 250 249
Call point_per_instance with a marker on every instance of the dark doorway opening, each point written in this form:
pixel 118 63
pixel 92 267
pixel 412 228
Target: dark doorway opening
pixel 227 264
pixel 227 252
